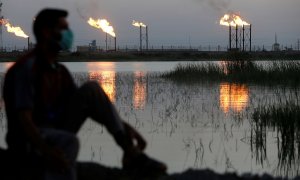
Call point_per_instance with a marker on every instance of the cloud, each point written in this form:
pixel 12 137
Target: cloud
pixel 218 5
pixel 88 8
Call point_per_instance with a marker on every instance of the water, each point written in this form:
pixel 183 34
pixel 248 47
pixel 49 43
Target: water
pixel 201 125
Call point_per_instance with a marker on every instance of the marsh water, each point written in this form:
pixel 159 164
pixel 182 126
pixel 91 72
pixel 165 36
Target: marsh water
pixel 187 125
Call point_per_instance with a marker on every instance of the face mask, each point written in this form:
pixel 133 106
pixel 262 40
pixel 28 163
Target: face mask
pixel 66 41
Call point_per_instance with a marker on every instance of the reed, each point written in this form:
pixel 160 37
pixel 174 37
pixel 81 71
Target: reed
pixel 238 71
pixel 283 118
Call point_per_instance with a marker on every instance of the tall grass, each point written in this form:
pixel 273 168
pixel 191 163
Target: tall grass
pixel 238 71
pixel 284 119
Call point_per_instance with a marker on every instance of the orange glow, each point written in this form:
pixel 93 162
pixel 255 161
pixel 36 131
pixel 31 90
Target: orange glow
pixel 107 80
pixel 8 65
pixel 139 90
pixel 224 67
pixel 104 66
pixel 233 97
pixel 232 20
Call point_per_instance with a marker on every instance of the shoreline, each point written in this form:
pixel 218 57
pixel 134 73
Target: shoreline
pixel 163 56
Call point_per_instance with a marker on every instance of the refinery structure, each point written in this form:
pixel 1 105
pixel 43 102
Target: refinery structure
pixel 1 27
pixel 239 39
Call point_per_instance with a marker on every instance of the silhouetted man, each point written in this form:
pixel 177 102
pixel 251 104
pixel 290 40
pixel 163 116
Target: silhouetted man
pixel 45 109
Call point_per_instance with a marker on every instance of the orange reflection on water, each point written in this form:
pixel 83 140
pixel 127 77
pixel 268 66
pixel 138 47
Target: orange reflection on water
pixel 8 65
pixel 233 97
pixel 101 66
pixel 224 66
pixel 139 90
pixel 107 80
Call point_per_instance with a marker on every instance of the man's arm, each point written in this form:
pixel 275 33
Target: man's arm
pixel 140 142
pixel 53 156
pixel 130 140
pixel 31 131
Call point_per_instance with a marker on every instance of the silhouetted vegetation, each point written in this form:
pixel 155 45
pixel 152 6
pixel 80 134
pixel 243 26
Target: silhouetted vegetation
pixel 284 120
pixel 238 71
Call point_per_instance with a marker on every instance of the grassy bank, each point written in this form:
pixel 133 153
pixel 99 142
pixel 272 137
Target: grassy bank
pixel 238 71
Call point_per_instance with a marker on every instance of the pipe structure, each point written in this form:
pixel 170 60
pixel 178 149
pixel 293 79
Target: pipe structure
pixel 141 39
pixel 230 38
pixel 243 37
pixel 250 38
pixel 115 38
pixel 28 45
pixel 106 46
pixel 236 36
pixel 147 39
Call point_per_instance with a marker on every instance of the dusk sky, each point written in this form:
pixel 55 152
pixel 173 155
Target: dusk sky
pixel 171 22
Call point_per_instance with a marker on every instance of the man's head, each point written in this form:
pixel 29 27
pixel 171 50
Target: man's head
pixel 51 27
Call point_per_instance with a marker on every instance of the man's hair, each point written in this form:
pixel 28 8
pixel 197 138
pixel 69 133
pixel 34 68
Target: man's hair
pixel 47 18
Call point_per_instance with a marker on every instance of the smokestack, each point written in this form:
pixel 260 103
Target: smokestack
pixel 141 39
pixel 115 38
pixel 229 38
pixel 250 38
pixel 236 36
pixel 243 38
pixel 147 38
pixel 28 46
pixel 106 48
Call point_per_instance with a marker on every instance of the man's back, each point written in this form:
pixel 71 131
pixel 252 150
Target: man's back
pixel 43 88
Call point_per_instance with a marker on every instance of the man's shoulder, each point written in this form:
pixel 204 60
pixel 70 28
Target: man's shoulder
pixel 22 66
pixel 63 68
pixel 24 62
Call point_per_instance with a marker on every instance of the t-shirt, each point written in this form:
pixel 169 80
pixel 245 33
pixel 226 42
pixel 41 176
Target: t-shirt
pixel 44 88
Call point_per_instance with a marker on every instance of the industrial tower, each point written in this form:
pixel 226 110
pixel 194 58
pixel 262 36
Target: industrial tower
pixel 1 25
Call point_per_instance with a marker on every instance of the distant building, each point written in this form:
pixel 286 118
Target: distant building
pixel 83 49
pixel 92 47
pixel 276 45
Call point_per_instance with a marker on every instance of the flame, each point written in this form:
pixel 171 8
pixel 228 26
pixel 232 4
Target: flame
pixel 102 24
pixel 232 20
pixel 138 24
pixel 11 29
pixel 233 96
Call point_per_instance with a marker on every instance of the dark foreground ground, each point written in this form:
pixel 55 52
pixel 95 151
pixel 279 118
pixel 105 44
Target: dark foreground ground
pixel 91 172
pixel 12 168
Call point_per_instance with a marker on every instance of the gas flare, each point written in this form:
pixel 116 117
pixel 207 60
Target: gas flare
pixel 102 24
pixel 232 20
pixel 138 24
pixel 15 30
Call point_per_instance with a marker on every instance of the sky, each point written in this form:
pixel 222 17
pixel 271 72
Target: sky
pixel 171 22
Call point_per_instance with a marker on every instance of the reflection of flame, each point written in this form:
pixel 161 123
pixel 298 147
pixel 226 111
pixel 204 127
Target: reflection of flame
pixel 98 66
pixel 138 24
pixel 233 96
pixel 139 91
pixel 8 65
pixel 224 67
pixel 107 81
pixel 102 24
pixel 11 29
pixel 232 20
